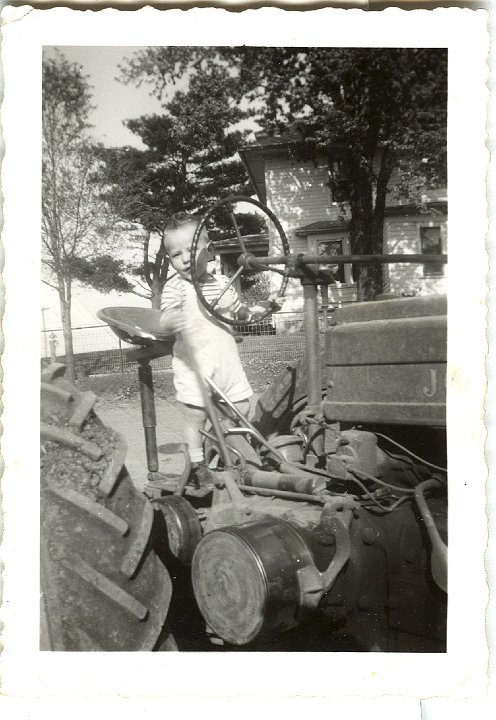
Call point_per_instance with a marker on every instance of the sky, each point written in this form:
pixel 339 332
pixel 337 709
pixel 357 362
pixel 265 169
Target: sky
pixel 114 101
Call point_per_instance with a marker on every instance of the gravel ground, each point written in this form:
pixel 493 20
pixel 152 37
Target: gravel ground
pixel 119 408
pixel 124 417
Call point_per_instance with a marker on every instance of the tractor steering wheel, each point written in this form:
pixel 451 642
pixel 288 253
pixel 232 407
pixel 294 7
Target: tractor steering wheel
pixel 243 259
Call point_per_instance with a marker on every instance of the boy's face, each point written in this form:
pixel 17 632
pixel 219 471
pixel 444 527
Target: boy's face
pixel 178 245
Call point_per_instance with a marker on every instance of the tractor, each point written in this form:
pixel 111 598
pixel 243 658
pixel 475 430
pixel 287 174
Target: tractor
pixel 325 527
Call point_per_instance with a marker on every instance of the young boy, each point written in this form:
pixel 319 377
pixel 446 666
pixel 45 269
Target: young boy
pixel 211 341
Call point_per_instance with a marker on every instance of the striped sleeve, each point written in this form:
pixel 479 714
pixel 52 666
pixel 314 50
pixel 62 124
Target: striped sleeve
pixel 172 295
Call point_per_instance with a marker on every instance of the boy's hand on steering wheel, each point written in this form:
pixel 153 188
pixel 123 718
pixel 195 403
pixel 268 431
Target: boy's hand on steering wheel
pixel 273 301
pixel 264 305
pixel 256 313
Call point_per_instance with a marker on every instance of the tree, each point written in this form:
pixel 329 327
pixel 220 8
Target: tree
pixel 381 113
pixel 76 225
pixel 187 164
pixel 248 222
pixel 126 176
pixel 195 142
pixel 189 161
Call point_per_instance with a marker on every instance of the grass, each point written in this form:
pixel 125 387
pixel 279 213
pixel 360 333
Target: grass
pixel 261 371
pixel 124 386
pixel 119 387
pixel 114 378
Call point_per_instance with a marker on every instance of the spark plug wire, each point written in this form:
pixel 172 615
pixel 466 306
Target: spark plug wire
pixel 409 452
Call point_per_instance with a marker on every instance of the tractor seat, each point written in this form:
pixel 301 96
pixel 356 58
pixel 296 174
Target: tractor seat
pixel 135 325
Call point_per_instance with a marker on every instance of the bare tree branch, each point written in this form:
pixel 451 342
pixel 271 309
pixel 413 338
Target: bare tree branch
pixel 54 287
pixel 135 292
pixel 141 285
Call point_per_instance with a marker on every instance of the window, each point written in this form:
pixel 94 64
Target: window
pixel 337 246
pixel 431 244
pixel 339 181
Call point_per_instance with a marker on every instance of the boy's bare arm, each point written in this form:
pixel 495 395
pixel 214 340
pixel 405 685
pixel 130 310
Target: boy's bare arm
pixel 171 320
pixel 172 317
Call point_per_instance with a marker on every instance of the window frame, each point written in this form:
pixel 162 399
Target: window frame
pixel 428 273
pixel 314 242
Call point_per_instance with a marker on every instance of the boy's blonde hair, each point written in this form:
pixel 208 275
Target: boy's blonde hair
pixel 180 220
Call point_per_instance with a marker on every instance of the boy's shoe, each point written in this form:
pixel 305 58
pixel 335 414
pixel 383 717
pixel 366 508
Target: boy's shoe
pixel 212 637
pixel 201 476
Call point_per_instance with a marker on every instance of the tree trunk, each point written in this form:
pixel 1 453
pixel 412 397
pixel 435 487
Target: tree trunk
pixel 158 277
pixel 367 224
pixel 361 230
pixel 370 277
pixel 369 282
pixel 156 288
pixel 374 281
pixel 65 313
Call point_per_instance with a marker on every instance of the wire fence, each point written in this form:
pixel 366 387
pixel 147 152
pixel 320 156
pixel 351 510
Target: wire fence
pixel 98 351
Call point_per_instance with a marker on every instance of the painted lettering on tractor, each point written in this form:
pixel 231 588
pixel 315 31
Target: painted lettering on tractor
pixel 431 389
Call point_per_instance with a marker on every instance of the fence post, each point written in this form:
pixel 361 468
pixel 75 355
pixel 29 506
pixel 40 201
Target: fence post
pixel 121 360
pixel 53 347
pixel 45 336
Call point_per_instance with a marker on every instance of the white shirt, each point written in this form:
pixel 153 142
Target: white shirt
pixel 212 341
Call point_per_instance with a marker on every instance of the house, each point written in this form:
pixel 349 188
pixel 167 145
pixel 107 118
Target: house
pixel 309 199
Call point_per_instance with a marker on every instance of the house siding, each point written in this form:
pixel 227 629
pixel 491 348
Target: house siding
pixel 402 235
pixel 298 194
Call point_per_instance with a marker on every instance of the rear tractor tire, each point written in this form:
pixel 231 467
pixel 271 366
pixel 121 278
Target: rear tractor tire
pixel 102 585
